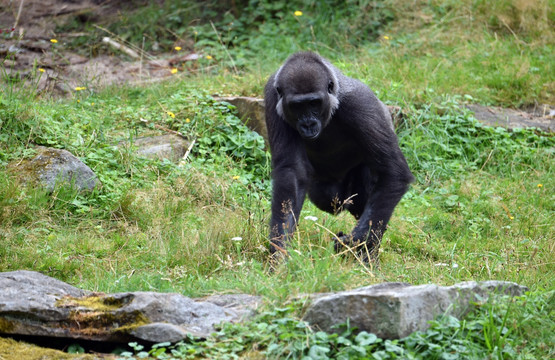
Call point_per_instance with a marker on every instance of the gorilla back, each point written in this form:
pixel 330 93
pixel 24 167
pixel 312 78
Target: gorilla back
pixel 331 138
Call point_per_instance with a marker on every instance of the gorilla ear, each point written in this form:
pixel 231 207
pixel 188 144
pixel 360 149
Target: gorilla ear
pixel 278 90
pixel 330 87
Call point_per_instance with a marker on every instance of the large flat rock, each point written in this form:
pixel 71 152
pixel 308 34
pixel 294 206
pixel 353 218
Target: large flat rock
pixel 542 117
pixel 395 310
pixel 38 305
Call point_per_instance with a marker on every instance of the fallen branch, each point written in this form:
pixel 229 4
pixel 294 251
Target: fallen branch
pixel 120 47
pixel 127 43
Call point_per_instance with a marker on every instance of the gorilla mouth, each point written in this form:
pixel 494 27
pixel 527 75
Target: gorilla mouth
pixel 309 130
pixel 312 136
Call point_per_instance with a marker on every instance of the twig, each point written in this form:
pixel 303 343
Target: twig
pixel 141 60
pixel 145 121
pixel 184 158
pixel 127 43
pixel 485 162
pixel 18 15
pixel 120 47
pixel 512 32
pixel 225 48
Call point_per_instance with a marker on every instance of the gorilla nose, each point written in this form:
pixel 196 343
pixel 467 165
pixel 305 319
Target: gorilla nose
pixel 309 128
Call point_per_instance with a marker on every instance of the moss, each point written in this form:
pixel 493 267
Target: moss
pixel 17 350
pixel 98 314
pixel 6 326
pixel 96 302
pixel 101 322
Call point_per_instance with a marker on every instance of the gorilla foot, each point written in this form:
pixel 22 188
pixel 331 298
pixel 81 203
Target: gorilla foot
pixel 362 250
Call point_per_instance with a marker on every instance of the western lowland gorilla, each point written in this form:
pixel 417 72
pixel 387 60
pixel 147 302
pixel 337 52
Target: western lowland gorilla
pixel 331 138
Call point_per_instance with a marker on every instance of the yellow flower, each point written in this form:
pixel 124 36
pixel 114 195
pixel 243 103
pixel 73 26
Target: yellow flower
pixel 174 71
pixel 92 104
pixel 386 37
pixel 78 100
pixel 172 115
pixel 187 120
pixel 511 217
pixel 208 57
pixel 236 177
pixel 79 88
pixel 540 185
pixel 177 48
pixel 298 13
pixel 42 70
pixel 53 41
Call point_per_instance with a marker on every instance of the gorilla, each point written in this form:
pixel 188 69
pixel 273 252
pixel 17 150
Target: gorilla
pixel 331 138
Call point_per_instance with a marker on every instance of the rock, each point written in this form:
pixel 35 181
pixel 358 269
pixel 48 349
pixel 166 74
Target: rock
pixel 540 118
pixel 244 305
pixel 51 166
pixel 171 147
pixel 395 310
pixel 251 110
pixel 37 305
pixel 160 332
pixel 397 115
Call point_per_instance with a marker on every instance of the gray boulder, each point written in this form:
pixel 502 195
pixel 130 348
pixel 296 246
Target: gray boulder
pixel 171 147
pixel 35 304
pixel 395 310
pixel 542 117
pixel 251 111
pixel 51 167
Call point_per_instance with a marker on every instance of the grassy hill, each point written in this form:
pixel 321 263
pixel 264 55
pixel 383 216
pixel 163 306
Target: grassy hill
pixel 481 208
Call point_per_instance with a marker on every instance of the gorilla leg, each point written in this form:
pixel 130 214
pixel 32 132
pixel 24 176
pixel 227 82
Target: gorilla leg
pixel 379 194
pixel 287 201
pixel 331 197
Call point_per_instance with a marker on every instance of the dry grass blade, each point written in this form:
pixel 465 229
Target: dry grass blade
pixel 350 249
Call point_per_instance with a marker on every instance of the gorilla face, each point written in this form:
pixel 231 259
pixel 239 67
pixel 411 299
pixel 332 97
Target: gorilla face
pixel 307 98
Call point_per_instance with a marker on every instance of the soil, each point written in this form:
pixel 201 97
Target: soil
pixel 25 46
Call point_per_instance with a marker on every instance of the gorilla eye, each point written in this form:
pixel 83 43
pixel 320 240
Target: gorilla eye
pixel 278 89
pixel 330 87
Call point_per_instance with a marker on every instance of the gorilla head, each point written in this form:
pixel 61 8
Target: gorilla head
pixel 307 98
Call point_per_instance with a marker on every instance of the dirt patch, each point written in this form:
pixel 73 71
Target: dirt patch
pixel 28 54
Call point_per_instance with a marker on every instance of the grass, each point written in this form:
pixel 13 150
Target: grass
pixel 481 208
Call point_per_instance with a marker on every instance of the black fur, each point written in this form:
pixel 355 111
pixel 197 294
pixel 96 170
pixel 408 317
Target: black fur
pixel 332 139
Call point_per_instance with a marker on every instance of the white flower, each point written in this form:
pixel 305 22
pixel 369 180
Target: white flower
pixel 237 238
pixel 310 217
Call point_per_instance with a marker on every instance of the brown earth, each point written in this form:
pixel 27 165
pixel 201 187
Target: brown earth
pixel 28 47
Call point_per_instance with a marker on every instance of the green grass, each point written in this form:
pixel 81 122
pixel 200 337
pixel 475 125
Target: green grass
pixel 482 206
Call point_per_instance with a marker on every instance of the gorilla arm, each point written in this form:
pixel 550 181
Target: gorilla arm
pixel 387 175
pixel 290 174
